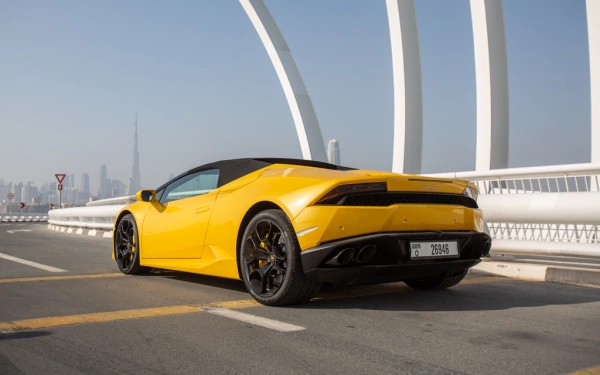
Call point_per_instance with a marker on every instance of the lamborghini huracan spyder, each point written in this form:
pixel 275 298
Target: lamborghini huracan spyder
pixel 287 226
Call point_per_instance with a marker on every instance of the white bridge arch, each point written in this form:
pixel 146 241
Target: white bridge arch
pixel 491 83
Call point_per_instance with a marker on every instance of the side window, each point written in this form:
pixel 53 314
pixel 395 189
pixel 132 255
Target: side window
pixel 191 185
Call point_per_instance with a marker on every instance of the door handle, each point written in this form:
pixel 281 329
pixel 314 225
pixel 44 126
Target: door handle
pixel 202 209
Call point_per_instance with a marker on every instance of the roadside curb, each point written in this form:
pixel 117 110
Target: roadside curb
pixel 538 272
pixel 81 231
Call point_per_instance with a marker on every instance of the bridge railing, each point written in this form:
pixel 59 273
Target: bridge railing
pixel 551 210
pixel 100 214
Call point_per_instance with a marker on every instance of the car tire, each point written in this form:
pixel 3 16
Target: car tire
pixel 436 283
pixel 126 245
pixel 270 262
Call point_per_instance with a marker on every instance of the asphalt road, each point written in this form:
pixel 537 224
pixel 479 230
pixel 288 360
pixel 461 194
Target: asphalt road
pixel 89 319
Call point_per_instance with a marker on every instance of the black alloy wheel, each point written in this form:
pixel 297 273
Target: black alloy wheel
pixel 270 261
pixel 126 246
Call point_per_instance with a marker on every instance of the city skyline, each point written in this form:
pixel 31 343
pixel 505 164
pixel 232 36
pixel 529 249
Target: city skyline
pixel 135 179
pixel 206 90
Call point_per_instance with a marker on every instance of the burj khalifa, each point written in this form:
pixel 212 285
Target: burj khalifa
pixel 134 181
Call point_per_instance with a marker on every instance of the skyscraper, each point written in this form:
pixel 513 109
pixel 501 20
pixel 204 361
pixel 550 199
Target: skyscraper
pixel 333 152
pixel 85 183
pixel 134 182
pixel 103 190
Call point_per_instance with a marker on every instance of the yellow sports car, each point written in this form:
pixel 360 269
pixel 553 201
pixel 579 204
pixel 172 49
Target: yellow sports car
pixel 286 226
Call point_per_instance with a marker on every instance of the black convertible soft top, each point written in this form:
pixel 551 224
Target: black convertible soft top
pixel 230 170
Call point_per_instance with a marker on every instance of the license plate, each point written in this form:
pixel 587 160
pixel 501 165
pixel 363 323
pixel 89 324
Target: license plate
pixel 444 249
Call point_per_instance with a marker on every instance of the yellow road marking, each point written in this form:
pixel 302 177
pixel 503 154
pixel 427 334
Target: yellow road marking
pixel 58 321
pixel 52 278
pixel 589 371
pixel 235 305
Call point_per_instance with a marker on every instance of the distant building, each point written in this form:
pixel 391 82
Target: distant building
pixel 117 188
pixel 134 181
pixel 84 192
pixel 72 180
pixel 333 152
pixel 29 193
pixel 85 183
pixel 4 190
pixel 17 190
pixel 49 192
pixel 103 190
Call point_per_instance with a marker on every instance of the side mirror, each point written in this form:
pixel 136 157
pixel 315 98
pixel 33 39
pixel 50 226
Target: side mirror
pixel 146 195
pixel 150 196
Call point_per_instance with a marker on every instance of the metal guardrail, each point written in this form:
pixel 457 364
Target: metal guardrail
pixel 551 210
pixel 11 218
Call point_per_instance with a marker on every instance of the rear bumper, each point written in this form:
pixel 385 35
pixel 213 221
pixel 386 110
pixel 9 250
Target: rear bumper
pixel 392 261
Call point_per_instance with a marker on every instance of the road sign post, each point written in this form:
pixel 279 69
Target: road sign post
pixel 10 197
pixel 60 177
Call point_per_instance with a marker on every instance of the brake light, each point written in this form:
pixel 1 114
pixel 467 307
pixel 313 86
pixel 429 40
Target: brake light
pixel 471 193
pixel 339 192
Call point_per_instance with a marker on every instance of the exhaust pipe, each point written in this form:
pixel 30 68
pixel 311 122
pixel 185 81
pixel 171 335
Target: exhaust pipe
pixel 486 248
pixel 343 257
pixel 365 254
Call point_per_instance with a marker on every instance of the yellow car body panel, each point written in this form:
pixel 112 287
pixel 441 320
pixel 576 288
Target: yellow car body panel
pixel 178 231
pixel 200 234
pixel 333 223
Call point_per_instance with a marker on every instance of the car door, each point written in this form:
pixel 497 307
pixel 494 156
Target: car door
pixel 177 231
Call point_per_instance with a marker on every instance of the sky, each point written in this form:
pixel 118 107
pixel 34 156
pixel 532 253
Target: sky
pixel 73 75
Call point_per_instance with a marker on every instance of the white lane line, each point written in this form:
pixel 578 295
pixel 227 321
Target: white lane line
pixel 19 230
pixel 30 263
pixel 256 320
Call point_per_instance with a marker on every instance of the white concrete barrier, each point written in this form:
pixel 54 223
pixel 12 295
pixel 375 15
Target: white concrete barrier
pixel 92 217
pixel 27 218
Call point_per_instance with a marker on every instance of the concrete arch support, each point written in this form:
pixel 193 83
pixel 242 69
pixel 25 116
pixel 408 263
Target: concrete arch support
pixel 491 71
pixel 303 112
pixel 408 106
pixel 593 21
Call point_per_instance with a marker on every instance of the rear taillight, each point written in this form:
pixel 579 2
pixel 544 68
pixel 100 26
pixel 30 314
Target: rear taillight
pixel 335 195
pixel 471 193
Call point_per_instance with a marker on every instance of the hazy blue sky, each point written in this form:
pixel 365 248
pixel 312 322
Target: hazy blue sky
pixel 73 74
